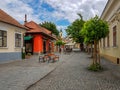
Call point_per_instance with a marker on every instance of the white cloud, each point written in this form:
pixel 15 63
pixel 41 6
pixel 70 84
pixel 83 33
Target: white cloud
pixel 68 9
pixel 18 9
pixel 64 9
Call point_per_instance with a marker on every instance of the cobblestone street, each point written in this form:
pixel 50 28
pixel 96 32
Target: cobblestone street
pixel 18 75
pixel 73 75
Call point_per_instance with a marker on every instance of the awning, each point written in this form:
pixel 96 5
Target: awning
pixel 28 37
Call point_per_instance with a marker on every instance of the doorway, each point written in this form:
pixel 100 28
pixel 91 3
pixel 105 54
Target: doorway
pixel 44 46
pixel 29 46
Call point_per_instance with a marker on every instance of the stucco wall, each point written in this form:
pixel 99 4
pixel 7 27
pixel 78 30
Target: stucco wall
pixel 9 56
pixel 111 53
pixel 38 44
pixel 11 30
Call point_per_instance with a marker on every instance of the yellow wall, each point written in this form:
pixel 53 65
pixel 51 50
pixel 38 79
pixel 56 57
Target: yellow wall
pixel 11 37
pixel 111 53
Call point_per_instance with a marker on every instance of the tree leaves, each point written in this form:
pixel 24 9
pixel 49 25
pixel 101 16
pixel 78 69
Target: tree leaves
pixel 59 43
pixel 95 29
pixel 74 29
pixel 50 26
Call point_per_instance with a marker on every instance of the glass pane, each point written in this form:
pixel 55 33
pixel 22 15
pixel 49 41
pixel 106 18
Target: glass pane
pixel 16 43
pixel 4 33
pixel 18 35
pixel 18 40
pixel 4 41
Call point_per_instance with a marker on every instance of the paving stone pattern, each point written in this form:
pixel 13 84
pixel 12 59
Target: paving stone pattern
pixel 73 75
pixel 18 75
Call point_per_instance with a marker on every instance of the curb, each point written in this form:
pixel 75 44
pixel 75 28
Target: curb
pixel 43 77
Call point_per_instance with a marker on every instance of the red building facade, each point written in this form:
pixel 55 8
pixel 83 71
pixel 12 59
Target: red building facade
pixel 38 39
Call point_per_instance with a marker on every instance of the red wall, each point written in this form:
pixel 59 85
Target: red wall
pixel 38 44
pixel 52 46
pixel 47 45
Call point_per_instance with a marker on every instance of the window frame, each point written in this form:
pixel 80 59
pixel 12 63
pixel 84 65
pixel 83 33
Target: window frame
pixel 4 44
pixel 19 41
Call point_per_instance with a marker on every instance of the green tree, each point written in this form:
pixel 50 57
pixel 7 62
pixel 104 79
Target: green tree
pixel 50 26
pixel 74 29
pixel 59 43
pixel 94 30
pixel 88 41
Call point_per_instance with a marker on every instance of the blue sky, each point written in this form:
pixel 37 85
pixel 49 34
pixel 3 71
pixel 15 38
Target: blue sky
pixel 60 12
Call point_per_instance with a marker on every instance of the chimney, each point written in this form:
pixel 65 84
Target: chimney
pixel 25 19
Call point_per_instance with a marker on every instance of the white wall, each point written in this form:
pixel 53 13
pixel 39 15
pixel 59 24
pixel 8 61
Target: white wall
pixel 11 30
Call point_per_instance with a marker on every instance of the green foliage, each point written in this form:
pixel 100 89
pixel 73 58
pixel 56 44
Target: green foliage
pixel 74 30
pixel 50 26
pixel 95 67
pixel 95 29
pixel 59 43
pixel 29 54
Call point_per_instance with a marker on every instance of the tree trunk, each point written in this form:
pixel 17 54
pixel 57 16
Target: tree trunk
pixel 91 51
pixel 59 49
pixel 95 52
pixel 94 55
pixel 88 49
pixel 81 46
pixel 98 53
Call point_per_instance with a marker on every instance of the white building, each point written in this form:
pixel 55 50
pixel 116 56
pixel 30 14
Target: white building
pixel 11 38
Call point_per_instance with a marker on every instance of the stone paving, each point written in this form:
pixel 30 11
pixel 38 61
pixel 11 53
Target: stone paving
pixel 18 75
pixel 72 74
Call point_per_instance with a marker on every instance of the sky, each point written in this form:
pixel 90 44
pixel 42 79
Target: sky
pixel 60 12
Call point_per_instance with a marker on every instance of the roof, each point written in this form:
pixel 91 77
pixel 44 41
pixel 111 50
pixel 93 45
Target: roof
pixel 4 17
pixel 107 9
pixel 35 28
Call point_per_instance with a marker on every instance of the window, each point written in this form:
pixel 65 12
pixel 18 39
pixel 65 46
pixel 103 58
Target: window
pixel 17 40
pixel 108 43
pixel 114 36
pixel 103 42
pixel 3 38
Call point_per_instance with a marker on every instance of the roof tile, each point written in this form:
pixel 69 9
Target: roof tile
pixel 4 17
pixel 35 28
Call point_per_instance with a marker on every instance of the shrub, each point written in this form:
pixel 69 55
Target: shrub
pixel 29 54
pixel 95 67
